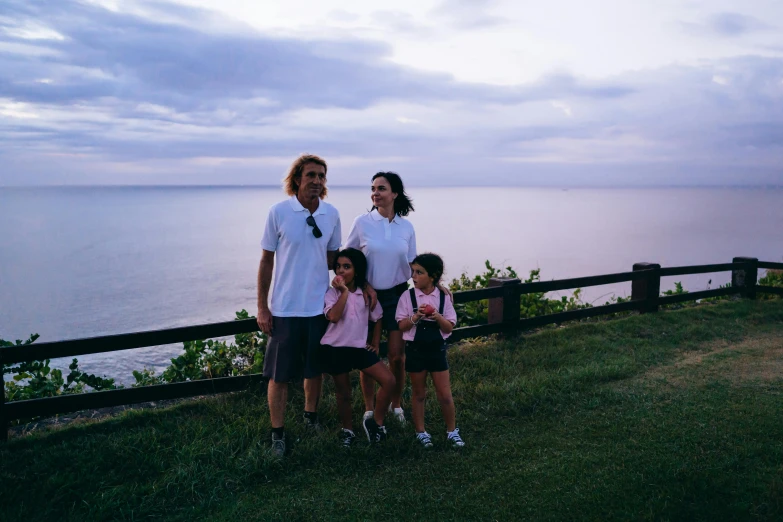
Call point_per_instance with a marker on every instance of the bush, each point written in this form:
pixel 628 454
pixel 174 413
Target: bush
pixel 771 278
pixel 200 360
pixel 36 379
pixel 211 359
pixel 531 305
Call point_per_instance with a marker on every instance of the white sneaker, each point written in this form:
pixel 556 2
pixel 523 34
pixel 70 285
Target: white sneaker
pixel 367 415
pixel 398 414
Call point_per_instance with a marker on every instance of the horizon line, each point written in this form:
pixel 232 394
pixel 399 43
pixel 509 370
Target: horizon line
pixel 277 186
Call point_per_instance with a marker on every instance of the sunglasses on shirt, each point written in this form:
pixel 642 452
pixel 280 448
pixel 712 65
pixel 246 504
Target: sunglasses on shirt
pixel 316 231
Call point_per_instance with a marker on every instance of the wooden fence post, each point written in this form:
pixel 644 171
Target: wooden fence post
pixel 746 278
pixel 3 420
pixel 647 289
pixel 504 309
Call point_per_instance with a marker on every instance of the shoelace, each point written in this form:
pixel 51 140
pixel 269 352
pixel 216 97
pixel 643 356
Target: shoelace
pixel 347 437
pixel 424 438
pixel 454 436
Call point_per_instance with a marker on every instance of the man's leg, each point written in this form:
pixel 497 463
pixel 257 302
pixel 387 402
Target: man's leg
pixel 277 368
pixel 315 328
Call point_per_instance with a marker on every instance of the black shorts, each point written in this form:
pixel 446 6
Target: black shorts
pixel 293 350
pixel 424 360
pixel 342 359
pixel 388 300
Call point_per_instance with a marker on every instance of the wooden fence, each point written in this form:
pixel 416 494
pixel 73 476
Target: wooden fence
pixel 504 317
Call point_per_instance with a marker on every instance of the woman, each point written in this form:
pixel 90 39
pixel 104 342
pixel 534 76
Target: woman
pixel 389 243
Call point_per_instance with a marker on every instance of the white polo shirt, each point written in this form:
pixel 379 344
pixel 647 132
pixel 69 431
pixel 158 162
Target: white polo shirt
pixel 301 273
pixel 389 246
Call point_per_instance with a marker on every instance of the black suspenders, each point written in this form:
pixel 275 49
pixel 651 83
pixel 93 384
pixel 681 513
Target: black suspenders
pixel 415 305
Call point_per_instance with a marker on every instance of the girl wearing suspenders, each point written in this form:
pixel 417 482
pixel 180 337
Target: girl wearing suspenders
pixel 426 316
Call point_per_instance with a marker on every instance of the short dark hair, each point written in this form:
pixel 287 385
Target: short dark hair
pixel 359 263
pixel 403 204
pixel 432 263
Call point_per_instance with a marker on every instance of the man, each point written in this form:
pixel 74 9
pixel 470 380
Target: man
pixel 301 239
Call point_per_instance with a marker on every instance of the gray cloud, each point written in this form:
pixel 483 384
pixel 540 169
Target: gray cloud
pixel 467 14
pixel 181 67
pixel 735 24
pixel 125 92
pixel 727 25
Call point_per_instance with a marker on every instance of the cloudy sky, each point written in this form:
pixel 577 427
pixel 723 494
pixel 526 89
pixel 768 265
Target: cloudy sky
pixel 454 92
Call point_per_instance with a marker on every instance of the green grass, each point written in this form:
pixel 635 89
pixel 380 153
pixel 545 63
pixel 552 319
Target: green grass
pixel 669 416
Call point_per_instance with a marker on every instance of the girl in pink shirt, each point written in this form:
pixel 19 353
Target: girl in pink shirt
pixel 345 345
pixel 426 317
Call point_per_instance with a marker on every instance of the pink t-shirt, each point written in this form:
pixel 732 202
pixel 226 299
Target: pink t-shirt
pixel 405 310
pixel 351 329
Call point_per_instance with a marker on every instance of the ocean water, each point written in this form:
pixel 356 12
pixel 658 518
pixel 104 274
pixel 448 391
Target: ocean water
pixel 86 261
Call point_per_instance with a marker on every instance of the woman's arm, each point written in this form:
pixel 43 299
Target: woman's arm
pixel 370 296
pixel 375 344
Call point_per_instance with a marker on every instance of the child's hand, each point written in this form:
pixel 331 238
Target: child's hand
pixel 338 283
pixel 374 348
pixel 427 310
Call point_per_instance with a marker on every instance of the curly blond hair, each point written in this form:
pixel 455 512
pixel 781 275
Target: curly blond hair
pixel 290 184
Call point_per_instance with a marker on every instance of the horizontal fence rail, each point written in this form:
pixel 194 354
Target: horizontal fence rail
pixel 113 343
pixel 700 269
pixel 104 399
pixel 579 282
pixel 694 296
pixel 503 296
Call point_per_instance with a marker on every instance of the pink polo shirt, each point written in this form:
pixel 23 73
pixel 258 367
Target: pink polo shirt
pixel 351 329
pixel 405 310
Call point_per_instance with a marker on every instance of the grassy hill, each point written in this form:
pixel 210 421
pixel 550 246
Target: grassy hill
pixel 668 416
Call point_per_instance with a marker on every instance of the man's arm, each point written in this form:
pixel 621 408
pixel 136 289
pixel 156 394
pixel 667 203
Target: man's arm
pixel 265 269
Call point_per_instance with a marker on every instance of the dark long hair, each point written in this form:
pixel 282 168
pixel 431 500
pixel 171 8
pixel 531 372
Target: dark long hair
pixel 432 263
pixel 359 263
pixel 403 204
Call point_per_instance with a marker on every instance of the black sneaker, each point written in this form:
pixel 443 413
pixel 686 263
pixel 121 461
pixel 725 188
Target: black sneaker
pixel 424 439
pixel 455 440
pixel 278 446
pixel 312 425
pixel 346 438
pixel 375 433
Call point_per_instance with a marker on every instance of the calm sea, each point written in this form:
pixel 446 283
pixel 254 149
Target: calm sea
pixel 86 261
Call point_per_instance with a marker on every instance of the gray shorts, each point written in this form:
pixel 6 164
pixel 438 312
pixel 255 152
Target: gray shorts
pixel 293 350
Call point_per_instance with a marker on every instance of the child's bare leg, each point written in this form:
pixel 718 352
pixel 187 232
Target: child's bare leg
pixel 418 394
pixel 368 391
pixel 443 392
pixel 396 357
pixel 342 388
pixel 380 373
